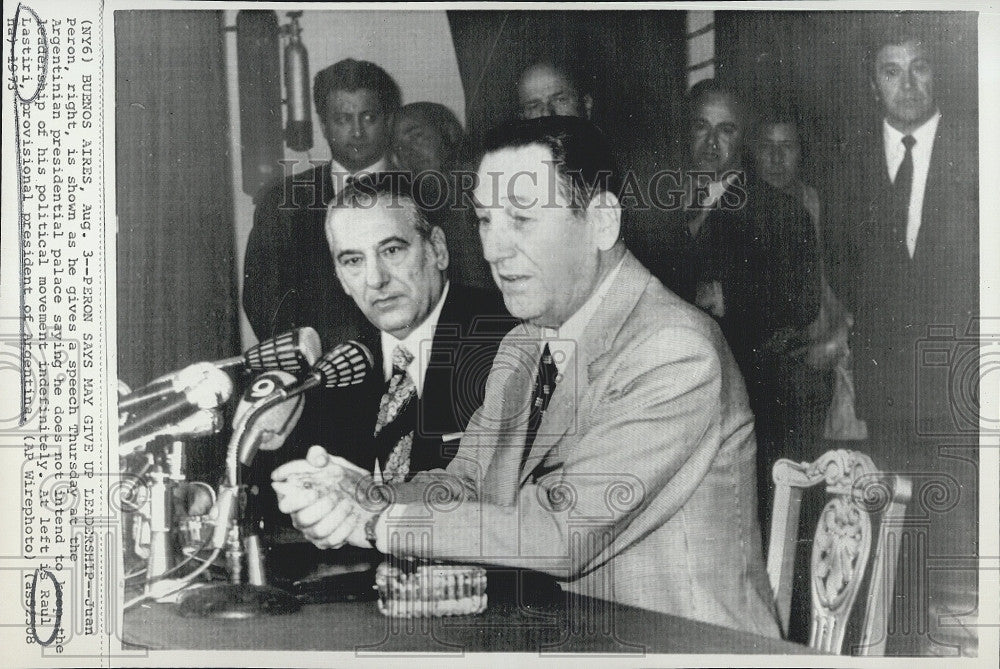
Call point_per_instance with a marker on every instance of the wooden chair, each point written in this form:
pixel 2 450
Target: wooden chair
pixel 858 495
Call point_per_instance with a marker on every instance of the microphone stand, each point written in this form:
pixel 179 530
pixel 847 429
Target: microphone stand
pixel 237 599
pixel 166 474
pixel 159 512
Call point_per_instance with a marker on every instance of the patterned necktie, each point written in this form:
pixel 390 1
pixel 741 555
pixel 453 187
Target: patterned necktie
pixel 545 385
pixel 398 396
pixel 902 188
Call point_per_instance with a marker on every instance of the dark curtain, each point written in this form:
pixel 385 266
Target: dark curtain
pixel 176 248
pixel 816 60
pixel 635 58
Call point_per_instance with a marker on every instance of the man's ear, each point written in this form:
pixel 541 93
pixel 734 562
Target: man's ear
pixel 605 214
pixel 439 245
pixel 588 105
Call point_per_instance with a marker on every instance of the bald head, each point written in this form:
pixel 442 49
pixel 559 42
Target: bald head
pixel 547 90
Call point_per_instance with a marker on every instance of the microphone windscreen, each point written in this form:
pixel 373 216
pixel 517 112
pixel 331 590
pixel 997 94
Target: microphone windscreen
pixel 263 387
pixel 263 420
pixel 211 390
pixel 345 365
pixel 200 423
pixel 294 351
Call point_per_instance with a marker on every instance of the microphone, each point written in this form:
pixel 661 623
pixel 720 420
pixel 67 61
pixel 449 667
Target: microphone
pixel 199 423
pixel 346 364
pixel 210 392
pixel 178 382
pixel 265 415
pixel 294 351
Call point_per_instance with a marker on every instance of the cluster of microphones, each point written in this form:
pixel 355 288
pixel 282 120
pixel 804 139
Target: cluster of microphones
pixel 187 404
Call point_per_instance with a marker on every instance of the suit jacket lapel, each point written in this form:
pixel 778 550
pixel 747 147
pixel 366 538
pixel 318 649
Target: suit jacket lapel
pixel 437 403
pixel 520 351
pixel 940 183
pixel 563 416
pixel 559 419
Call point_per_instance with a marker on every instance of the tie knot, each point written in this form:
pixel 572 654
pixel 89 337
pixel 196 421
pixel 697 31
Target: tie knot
pixel 401 358
pixel 909 141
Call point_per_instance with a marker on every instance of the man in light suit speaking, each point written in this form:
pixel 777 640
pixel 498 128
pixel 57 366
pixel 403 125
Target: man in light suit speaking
pixel 614 448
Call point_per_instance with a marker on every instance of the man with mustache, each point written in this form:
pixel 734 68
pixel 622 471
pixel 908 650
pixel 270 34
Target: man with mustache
pixel 288 274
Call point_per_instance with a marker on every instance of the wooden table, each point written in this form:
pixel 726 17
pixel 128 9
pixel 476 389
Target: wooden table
pixel 569 624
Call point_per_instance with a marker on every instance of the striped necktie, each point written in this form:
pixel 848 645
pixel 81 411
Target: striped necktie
pixel 545 385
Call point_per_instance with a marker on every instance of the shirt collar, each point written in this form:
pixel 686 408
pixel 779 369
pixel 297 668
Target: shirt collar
pixel 418 343
pixel 567 336
pixel 339 173
pixel 924 135
pixel 717 188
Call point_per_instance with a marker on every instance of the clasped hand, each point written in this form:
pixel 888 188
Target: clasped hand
pixel 328 498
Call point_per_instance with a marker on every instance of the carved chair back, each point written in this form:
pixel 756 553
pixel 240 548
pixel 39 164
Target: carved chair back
pixel 863 504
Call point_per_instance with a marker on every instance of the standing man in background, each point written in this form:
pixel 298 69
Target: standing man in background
pixel 288 278
pixel 907 262
pixel 430 139
pixel 547 89
pixel 911 247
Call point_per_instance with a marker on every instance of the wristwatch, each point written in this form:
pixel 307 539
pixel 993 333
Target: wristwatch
pixel 370 528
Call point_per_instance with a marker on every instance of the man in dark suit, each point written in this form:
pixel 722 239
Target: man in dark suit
pixel 433 340
pixel 907 224
pixel 911 257
pixel 288 275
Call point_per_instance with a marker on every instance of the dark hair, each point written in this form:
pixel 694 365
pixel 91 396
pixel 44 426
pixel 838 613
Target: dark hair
pixel 354 75
pixel 780 112
pixel 895 30
pixel 445 122
pixel 581 153
pixel 397 188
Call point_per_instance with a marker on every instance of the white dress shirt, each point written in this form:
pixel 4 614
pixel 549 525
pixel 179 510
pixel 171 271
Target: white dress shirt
pixel 892 140
pixel 340 174
pixel 418 343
